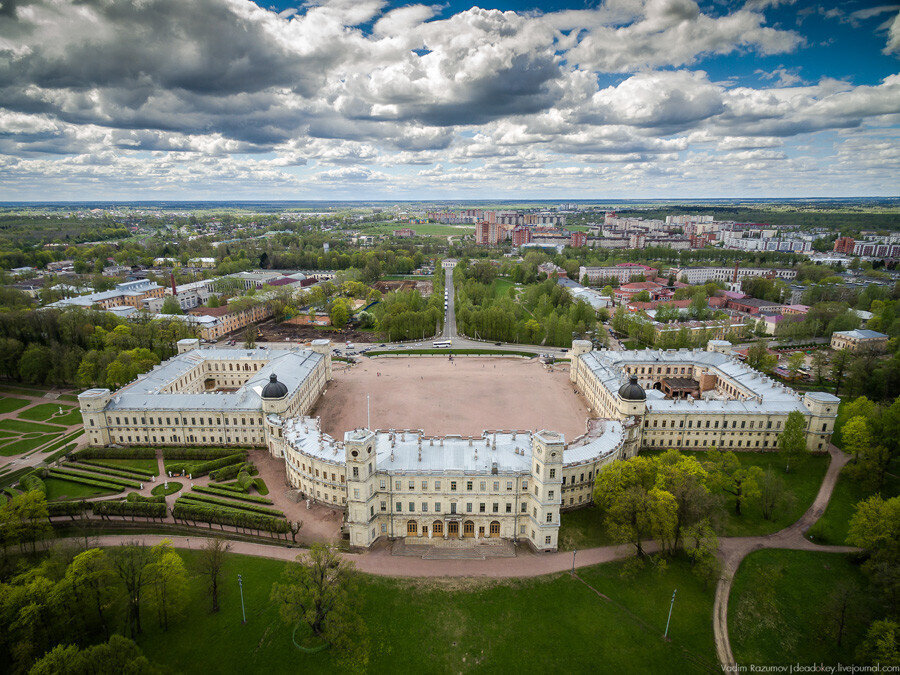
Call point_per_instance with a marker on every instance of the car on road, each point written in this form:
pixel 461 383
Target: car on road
pixel 498 344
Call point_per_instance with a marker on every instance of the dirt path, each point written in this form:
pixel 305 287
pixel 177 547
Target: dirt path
pixel 733 550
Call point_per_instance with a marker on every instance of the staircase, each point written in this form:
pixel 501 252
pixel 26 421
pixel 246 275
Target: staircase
pixel 465 549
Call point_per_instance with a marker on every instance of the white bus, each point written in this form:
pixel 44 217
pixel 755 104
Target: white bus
pixel 441 344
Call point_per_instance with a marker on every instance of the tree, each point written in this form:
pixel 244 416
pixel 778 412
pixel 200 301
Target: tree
pixel 131 564
pixel 795 364
pixel 634 507
pixel 118 655
pixel 839 363
pixel 855 436
pixel 819 365
pixel 792 441
pixel 728 474
pixel 319 591
pixel 759 358
pixel 89 580
pixel 250 334
pixel 773 495
pixel 170 306
pixel 34 364
pixel 168 583
pixel 882 644
pixel 875 526
pixel 840 609
pixel 340 313
pixel 685 479
pixel 211 561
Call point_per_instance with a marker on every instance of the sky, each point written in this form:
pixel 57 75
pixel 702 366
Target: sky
pixel 377 99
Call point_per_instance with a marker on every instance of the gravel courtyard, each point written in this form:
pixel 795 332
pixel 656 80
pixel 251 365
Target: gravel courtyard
pixel 465 396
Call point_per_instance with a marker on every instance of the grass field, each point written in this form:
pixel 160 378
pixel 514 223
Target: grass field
pixel 431 626
pixel 161 489
pixel 43 411
pixel 145 464
pixel 25 444
pixel 500 287
pixel 832 527
pixel 423 230
pixel 25 427
pixel 63 489
pixel 780 610
pixel 8 404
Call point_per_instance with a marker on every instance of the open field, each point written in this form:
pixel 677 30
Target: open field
pixel 465 396
pixel 782 608
pixel 459 625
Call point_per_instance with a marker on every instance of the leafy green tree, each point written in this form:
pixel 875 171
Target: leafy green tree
pixel 319 591
pixel 250 333
pixel 35 364
pixel 881 645
pixel 89 581
pixel 875 526
pixel 728 474
pixel 773 495
pixel 633 506
pixel 131 564
pixel 118 655
pixel 759 358
pixel 856 436
pixel 792 441
pixel 839 363
pixel 170 306
pixel 129 364
pixel 795 364
pixel 340 313
pixel 686 480
pixel 169 583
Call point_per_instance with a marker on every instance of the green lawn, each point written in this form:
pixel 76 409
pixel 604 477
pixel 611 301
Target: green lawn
pixel 144 464
pixel 174 486
pixel 68 397
pixel 500 287
pixel 43 411
pixel 832 527
pixel 25 444
pixel 437 626
pixel 25 427
pixel 781 608
pixel 58 488
pixel 582 529
pixel 69 419
pixel 8 404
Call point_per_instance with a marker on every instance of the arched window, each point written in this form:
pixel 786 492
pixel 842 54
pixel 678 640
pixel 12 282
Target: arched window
pixel 411 528
pixel 495 528
pixel 468 529
pixel 437 527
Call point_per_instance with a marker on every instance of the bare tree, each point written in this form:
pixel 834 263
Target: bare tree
pixel 130 562
pixel 212 559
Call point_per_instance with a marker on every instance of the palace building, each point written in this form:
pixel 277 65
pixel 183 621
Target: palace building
pixel 499 485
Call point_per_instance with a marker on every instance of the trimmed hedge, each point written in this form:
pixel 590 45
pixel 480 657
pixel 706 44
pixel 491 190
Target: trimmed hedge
pixel 194 512
pixel 143 473
pixel 86 481
pixel 137 497
pixel 122 482
pixel 32 482
pixel 126 508
pixel 70 509
pixel 233 494
pixel 206 467
pixel 92 468
pixel 193 454
pixel 228 487
pixel 229 472
pixel 231 505
pixel 116 453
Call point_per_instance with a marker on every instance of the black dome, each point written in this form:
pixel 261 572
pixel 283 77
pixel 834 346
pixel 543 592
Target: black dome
pixel 276 389
pixel 632 391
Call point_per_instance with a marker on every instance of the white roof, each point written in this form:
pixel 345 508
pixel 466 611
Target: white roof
pixel 292 367
pixel 763 395
pixel 414 452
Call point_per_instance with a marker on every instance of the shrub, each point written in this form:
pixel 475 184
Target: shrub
pixel 142 473
pixel 116 453
pixel 155 499
pixel 70 509
pixel 206 467
pixel 229 472
pixel 133 475
pixel 32 482
pixel 86 481
pixel 194 512
pixel 129 508
pixel 244 481
pixel 192 496
pixel 233 494
pixel 261 486
pixel 194 454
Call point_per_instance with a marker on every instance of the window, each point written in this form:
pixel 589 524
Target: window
pixel 508 507
pixel 552 473
pixel 495 528
pixel 468 507
pixel 524 484
pixel 452 507
pixel 483 484
pixel 437 507
pixel 524 507
pixel 550 517
pixel 496 486
pixel 412 485
pixel 550 494
pixel 356 494
pixel 424 484
pixel 453 486
pixel 424 507
pixel 481 506
pixel 355 472
pixel 398 485
pixel 469 485
pixel 496 507
pixel 411 528
pixel 412 507
pixel 509 485
pixel 547 540
pixel 384 506
pixel 437 485
pixel 382 483
pixel 399 507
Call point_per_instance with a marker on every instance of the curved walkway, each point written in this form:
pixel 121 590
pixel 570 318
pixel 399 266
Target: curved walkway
pixel 734 549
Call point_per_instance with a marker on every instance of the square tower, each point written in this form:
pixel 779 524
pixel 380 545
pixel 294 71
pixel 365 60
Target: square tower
pixel 359 448
pixel 546 475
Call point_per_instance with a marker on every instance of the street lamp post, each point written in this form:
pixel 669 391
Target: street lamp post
pixel 574 551
pixel 671 605
pixel 243 612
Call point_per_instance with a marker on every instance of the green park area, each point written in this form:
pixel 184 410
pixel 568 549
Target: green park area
pixel 59 489
pixel 797 607
pixel 50 412
pixel 460 625
pixel 9 404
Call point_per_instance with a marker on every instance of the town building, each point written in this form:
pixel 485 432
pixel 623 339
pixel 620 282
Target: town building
pixel 859 340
